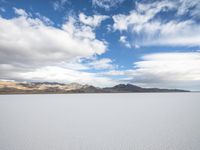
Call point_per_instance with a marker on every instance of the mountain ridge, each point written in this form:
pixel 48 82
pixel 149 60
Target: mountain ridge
pixel 7 87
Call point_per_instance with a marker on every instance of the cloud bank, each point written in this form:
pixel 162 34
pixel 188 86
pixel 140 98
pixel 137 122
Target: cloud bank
pixel 35 51
pixel 165 70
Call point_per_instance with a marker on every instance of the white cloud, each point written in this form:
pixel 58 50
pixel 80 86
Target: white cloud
pixel 32 50
pixel 30 40
pixel 123 40
pixel 88 64
pixel 142 14
pixel 59 4
pixel 171 66
pixel 107 4
pixel 148 30
pixel 168 70
pixel 93 21
pixel 104 63
pixel 174 33
pixel 120 22
pixel 20 12
pixel 114 73
pixel 76 64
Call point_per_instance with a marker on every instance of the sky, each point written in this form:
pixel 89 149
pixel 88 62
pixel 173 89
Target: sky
pixel 149 43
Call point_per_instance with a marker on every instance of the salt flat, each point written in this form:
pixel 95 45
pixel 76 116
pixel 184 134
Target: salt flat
pixel 149 121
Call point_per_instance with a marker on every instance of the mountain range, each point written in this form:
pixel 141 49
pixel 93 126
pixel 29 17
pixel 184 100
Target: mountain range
pixel 11 87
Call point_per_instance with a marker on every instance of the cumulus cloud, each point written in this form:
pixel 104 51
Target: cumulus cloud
pixel 106 4
pixel 148 29
pixel 93 21
pixel 30 40
pixel 32 50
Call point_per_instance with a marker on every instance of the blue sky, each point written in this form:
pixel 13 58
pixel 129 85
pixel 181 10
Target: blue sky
pixel 101 42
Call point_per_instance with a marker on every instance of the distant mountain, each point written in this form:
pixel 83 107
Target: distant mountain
pixel 129 88
pixel 124 88
pixel 7 87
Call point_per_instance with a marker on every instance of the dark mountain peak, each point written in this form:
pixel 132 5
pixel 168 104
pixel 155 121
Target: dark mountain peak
pixel 126 86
